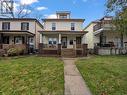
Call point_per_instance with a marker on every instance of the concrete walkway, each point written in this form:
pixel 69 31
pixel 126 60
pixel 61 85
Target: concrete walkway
pixel 74 83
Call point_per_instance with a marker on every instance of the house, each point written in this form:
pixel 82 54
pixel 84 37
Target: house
pixel 102 35
pixel 63 36
pixel 19 32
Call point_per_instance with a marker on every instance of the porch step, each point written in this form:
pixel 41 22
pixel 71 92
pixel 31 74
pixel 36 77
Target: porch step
pixel 71 53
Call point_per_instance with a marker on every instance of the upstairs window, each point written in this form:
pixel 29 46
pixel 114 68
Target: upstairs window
pixel 53 26
pixel 24 26
pixel 63 16
pixel 72 26
pixel 6 26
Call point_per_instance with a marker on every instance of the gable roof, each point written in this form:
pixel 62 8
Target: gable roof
pixel 91 23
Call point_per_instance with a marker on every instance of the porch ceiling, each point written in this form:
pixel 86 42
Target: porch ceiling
pixel 63 32
pixel 16 32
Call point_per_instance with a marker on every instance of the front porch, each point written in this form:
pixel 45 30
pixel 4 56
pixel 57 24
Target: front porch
pixel 109 43
pixel 65 44
pixel 110 39
pixel 15 39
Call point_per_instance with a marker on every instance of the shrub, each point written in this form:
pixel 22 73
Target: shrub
pixel 20 50
pixel 15 50
pixel 12 51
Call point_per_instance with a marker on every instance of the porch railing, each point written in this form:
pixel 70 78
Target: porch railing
pixel 50 46
pixel 46 49
pixel 7 46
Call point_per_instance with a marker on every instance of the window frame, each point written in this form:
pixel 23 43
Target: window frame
pixel 53 26
pixel 5 25
pixel 52 41
pixel 19 38
pixel 24 26
pixel 63 16
pixel 72 26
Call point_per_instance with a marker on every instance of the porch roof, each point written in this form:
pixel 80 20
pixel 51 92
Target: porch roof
pixel 104 29
pixel 16 32
pixel 63 32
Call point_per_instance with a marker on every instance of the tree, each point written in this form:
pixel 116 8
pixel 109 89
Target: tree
pixel 119 8
pixel 12 9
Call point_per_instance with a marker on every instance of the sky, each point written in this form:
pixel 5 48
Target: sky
pixel 89 10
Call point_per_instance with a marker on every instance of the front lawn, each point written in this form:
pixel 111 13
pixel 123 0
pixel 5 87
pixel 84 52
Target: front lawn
pixel 105 75
pixel 31 76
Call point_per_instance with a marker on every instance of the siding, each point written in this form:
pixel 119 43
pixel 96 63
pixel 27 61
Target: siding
pixel 89 37
pixel 63 25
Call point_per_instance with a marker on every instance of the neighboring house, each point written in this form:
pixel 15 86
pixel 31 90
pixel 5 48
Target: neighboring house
pixel 64 34
pixel 19 32
pixel 102 35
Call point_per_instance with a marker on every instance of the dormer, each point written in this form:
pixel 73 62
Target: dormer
pixel 63 14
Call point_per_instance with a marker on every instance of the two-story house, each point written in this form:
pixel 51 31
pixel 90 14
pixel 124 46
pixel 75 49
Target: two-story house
pixel 62 33
pixel 102 35
pixel 19 32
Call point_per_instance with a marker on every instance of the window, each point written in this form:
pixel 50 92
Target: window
pixel 24 26
pixel 63 16
pixel 6 40
pixel 18 40
pixel 71 42
pixel 72 26
pixel 53 26
pixel 53 41
pixel 6 26
pixel 31 40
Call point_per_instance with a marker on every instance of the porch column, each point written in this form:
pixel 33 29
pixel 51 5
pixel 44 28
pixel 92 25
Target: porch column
pixel 27 44
pixel 40 48
pixel 41 38
pixel 85 49
pixel 59 46
pixel 59 38
pixel 1 40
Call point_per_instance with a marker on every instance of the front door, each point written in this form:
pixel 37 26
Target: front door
pixel 78 42
pixel 64 42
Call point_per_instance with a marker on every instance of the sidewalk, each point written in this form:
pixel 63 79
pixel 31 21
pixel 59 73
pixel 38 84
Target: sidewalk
pixel 74 83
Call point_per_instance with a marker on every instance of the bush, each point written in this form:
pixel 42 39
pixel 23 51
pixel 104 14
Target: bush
pixel 15 50
pixel 12 51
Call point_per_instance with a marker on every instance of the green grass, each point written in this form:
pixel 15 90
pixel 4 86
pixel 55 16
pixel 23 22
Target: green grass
pixel 31 76
pixel 105 75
